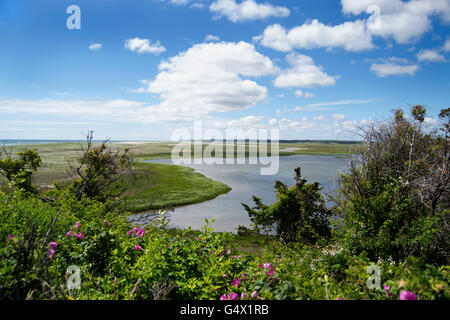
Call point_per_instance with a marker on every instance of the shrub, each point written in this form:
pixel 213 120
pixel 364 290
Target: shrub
pixel 298 214
pixel 393 202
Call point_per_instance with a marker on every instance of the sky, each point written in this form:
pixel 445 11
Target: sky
pixel 138 70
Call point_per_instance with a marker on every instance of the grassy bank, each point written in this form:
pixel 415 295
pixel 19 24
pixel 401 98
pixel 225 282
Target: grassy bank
pixel 164 186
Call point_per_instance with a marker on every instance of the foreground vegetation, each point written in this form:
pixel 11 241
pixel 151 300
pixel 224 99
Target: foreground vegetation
pixel 386 237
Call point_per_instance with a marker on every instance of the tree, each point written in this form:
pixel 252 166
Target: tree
pixel 394 199
pixel 18 172
pixel 299 214
pixel 102 173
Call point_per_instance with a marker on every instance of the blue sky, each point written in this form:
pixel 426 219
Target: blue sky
pixel 137 70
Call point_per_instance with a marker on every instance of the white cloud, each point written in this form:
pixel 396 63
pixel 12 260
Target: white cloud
pixel 143 46
pixel 431 122
pixel 95 46
pixel 211 37
pixel 303 74
pixel 246 10
pixel 241 123
pixel 391 69
pixel 207 78
pixel 338 117
pixel 340 102
pixel 446 46
pixel 404 21
pixel 352 36
pixel 303 94
pixel 430 56
pixel 114 109
pixel 320 118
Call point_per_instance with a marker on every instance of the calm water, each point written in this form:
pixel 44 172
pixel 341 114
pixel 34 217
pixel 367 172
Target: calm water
pixel 245 181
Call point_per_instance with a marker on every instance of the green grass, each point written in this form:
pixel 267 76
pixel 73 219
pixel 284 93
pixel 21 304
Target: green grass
pixel 163 186
pixel 159 186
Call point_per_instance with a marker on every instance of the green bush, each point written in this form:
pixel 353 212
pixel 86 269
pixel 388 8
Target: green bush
pixel 299 214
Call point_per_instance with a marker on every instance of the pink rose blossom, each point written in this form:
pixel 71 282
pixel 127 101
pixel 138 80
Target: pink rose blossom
pixel 407 295
pixel 386 289
pixel 236 282
pixel 139 232
pixel 233 296
pixel 79 235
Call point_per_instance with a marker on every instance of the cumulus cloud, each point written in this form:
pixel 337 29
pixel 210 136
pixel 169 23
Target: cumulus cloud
pixel 383 70
pixel 404 21
pixel 246 10
pixel 241 123
pixel 446 46
pixel 208 78
pixel 430 56
pixel 95 46
pixel 303 74
pixel 352 36
pixel 303 94
pixel 144 46
pixel 211 37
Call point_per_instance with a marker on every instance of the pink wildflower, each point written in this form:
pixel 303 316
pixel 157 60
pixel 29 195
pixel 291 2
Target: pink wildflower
pixel 236 282
pixel 140 232
pixel 228 251
pixel 254 294
pixel 79 235
pixel 51 253
pixel 212 251
pixel 107 223
pixel 10 237
pixel 244 296
pixel 407 295
pixel 224 276
pixel 339 298
pixel 386 289
pixel 233 296
pixel 77 224
pixel 234 257
pixel 223 297
pixel 69 233
pixel 137 247
pixel 53 245
pixel 130 232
